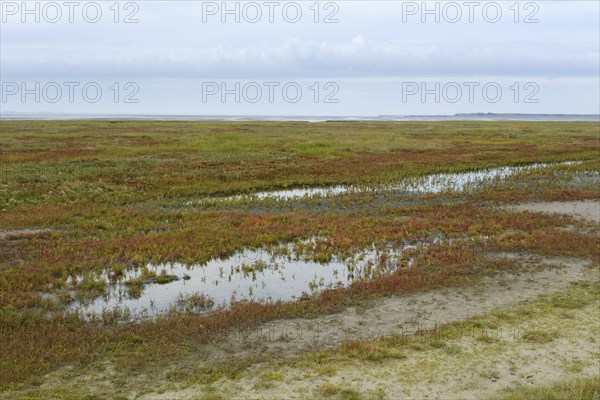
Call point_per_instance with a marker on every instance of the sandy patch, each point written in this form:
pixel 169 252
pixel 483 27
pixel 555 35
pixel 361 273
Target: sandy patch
pixel 478 371
pixel 396 314
pixel 467 368
pixel 588 209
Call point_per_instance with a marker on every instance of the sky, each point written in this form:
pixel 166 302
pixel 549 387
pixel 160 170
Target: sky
pixel 338 58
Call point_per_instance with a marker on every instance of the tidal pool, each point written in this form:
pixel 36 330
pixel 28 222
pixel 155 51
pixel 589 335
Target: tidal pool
pixel 434 183
pixel 247 275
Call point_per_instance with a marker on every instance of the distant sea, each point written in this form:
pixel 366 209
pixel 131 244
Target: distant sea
pixel 160 117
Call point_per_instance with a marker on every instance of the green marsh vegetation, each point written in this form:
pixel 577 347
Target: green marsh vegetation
pixel 82 197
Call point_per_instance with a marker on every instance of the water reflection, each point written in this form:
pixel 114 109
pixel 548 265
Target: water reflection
pixel 435 183
pixel 257 274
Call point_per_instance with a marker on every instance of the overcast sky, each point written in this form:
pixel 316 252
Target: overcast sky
pixel 358 58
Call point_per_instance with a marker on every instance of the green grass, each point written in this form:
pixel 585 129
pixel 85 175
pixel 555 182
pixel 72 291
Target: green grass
pixel 574 389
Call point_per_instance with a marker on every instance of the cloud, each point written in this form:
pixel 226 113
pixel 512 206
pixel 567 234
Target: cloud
pixel 293 58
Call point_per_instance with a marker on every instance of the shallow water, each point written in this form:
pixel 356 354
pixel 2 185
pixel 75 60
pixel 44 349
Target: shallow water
pixel 435 183
pixel 249 274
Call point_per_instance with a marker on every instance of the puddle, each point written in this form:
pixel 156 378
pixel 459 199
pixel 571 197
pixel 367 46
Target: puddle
pixel 435 183
pixel 249 274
